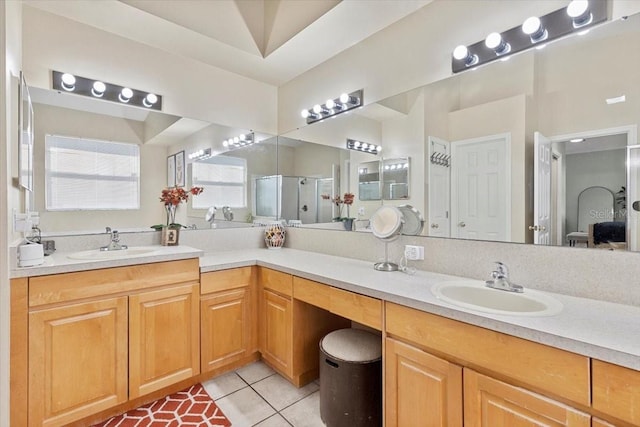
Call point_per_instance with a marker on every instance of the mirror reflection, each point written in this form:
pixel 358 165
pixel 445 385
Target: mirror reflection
pixel 369 180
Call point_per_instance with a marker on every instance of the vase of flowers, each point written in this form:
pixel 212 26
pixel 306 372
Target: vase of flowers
pixel 341 202
pixel 172 197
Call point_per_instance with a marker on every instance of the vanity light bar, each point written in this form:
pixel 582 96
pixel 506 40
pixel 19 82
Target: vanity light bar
pixel 66 82
pixel 241 140
pixel 396 166
pixel 353 144
pixel 200 154
pixel 333 107
pixel 578 16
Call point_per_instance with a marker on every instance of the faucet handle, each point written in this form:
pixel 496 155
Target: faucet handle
pixel 108 229
pixel 502 269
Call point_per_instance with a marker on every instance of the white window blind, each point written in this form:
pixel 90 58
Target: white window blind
pixel 87 174
pixel 224 180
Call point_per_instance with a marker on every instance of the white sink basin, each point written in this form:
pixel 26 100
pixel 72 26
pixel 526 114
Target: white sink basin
pixel 96 254
pixel 474 295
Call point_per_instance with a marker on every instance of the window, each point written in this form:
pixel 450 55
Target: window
pixel 87 174
pixel 224 180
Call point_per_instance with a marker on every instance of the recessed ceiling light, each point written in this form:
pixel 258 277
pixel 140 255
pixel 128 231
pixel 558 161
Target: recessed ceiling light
pixel 577 140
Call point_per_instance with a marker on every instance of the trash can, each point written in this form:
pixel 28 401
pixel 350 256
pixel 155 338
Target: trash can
pixel 351 378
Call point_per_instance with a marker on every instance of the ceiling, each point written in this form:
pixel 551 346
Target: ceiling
pixel 271 41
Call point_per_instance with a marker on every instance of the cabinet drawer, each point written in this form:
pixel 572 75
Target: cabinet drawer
pixel 616 391
pixel 359 308
pixel 559 372
pixel 216 281
pixel 277 281
pixel 86 284
pixel 313 293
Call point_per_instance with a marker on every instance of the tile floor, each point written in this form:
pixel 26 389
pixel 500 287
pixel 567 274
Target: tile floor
pixel 256 395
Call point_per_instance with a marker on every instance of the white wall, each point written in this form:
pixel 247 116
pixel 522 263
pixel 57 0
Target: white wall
pixel 153 159
pixel 189 88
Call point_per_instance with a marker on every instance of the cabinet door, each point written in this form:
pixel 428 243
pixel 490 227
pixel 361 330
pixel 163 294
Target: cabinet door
pixel 225 328
pixel 275 331
pixel 492 403
pixel 420 389
pixel 164 338
pixel 77 360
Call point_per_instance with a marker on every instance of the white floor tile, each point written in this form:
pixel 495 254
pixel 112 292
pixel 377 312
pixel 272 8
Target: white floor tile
pixel 274 421
pixel 223 385
pixel 255 372
pixel 280 393
pixel 305 413
pixel 245 408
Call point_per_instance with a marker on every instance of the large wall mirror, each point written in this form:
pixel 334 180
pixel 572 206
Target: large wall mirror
pixel 500 128
pixel 502 152
pixel 158 136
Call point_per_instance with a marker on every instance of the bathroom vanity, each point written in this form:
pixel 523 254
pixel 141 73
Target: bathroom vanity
pixel 150 326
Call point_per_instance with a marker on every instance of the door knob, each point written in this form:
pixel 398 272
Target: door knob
pixel 304 208
pixel 533 228
pixel 462 224
pixel 434 225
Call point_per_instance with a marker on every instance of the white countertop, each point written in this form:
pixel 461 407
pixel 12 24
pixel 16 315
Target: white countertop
pixel 602 330
pixel 597 329
pixel 59 262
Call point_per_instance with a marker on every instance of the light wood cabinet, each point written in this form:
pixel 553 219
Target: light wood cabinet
pixel 420 389
pixel 228 318
pixel 164 338
pixel 492 403
pixel 290 329
pixel 277 339
pixel 596 422
pixel 359 308
pixel 77 360
pixel 616 391
pixel 102 338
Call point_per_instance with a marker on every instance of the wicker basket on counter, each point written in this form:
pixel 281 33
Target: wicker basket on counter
pixel 274 235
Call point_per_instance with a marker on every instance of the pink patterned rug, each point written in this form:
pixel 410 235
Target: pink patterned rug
pixel 191 407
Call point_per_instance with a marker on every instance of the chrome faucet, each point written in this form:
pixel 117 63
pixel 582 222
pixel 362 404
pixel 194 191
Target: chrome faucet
pixel 114 244
pixel 500 279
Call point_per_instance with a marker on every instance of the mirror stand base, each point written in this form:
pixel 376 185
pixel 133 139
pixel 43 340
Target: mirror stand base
pixel 385 266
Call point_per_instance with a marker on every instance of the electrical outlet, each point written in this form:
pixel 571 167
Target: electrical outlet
pixel 361 211
pixel 414 253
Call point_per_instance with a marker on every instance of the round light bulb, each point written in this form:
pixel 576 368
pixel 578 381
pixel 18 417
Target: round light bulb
pixel 236 140
pixel 225 143
pixel 344 98
pixel 365 145
pixel 577 8
pixel 531 25
pixel 493 40
pixel 379 148
pixel 356 144
pixel 243 137
pixel 330 104
pixel 460 52
pixel 68 82
pixel 126 93
pixel 149 100
pixel 98 89
pixel 317 109
pixel 304 113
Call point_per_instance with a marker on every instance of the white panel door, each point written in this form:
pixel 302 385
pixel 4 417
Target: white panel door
pixel 541 190
pixel 439 224
pixel 481 188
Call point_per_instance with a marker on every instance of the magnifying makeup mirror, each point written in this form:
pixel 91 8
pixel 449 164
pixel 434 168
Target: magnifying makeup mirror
pixel 386 224
pixel 413 220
